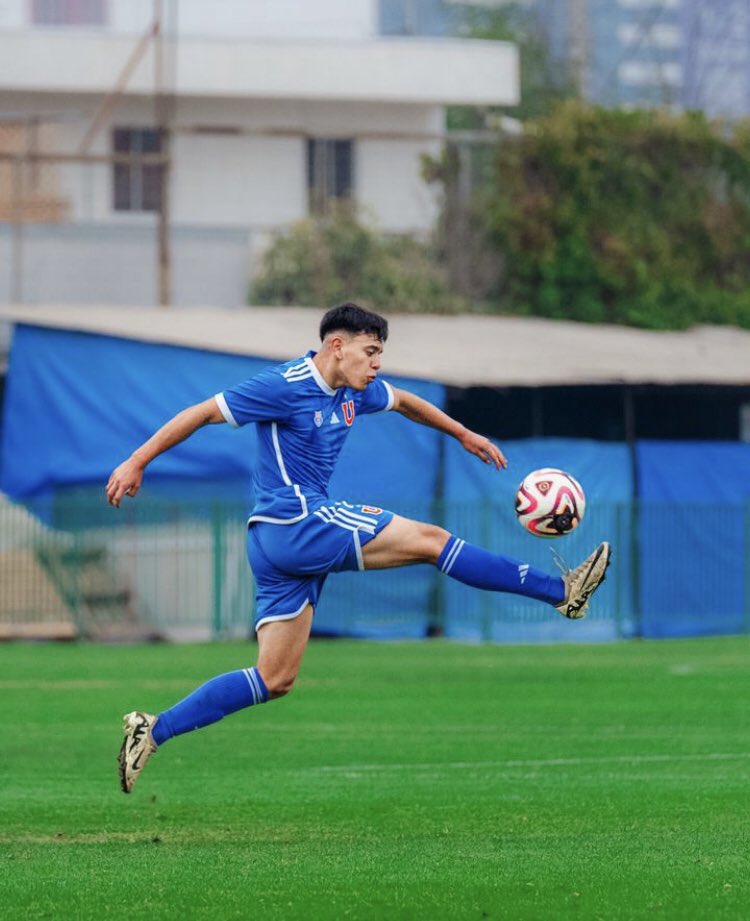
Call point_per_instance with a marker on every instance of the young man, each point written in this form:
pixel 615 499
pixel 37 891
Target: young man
pixel 297 534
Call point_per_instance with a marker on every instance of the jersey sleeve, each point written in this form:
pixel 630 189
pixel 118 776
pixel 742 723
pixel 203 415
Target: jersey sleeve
pixel 263 398
pixel 377 397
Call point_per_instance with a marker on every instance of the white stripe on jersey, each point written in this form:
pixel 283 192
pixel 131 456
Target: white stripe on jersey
pixel 294 369
pixel 301 376
pixel 279 458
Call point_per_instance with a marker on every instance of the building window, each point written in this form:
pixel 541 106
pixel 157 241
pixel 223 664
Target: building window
pixel 330 172
pixel 69 12
pixel 422 17
pixel 137 186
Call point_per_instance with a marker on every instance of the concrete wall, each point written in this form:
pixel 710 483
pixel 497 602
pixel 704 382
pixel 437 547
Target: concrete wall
pixel 230 194
pixel 253 80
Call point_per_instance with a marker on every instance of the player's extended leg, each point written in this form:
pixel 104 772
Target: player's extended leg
pixel 403 542
pixel 281 645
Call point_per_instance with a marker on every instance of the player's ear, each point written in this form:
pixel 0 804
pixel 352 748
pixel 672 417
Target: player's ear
pixel 337 344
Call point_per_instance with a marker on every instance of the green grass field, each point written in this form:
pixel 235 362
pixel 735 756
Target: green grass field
pixel 403 781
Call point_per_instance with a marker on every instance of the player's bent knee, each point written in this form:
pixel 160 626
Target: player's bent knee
pixel 280 684
pixel 434 539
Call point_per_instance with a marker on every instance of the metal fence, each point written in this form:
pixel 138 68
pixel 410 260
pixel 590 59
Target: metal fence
pixel 72 567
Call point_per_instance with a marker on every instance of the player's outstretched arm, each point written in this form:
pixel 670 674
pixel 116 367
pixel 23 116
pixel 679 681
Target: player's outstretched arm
pixel 424 412
pixel 126 479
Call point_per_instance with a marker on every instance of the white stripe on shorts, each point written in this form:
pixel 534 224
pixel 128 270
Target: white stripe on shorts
pixel 367 519
pixel 272 618
pixel 343 519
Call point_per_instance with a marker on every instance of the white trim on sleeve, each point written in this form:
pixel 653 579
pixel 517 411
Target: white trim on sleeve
pixel 225 410
pixel 391 397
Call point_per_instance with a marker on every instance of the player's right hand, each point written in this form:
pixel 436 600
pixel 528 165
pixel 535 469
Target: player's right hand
pixel 124 481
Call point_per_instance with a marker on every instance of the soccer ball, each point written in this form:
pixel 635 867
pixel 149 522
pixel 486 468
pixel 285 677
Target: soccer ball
pixel 550 503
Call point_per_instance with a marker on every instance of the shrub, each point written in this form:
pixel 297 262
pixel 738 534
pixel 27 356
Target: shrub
pixel 337 257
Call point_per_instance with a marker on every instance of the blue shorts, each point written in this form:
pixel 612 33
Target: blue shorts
pixel 290 562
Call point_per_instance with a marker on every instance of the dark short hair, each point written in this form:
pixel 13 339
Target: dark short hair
pixel 353 319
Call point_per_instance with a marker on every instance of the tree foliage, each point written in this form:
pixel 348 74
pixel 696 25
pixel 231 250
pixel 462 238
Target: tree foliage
pixel 339 257
pixel 638 217
pixel 641 218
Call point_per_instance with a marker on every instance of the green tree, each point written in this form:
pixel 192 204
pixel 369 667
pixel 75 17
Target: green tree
pixel 627 217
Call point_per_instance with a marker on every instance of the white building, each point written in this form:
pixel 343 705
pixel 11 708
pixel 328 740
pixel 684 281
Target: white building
pixel 274 106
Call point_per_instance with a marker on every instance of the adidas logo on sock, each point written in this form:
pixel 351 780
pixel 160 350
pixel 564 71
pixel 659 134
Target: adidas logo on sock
pixel 523 570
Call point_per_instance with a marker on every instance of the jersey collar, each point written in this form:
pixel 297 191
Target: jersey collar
pixel 319 379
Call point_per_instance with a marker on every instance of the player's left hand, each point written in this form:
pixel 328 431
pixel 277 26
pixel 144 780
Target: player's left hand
pixel 124 481
pixel 484 449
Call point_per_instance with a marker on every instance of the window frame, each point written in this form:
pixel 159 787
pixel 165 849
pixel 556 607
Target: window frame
pixel 136 188
pixel 61 14
pixel 329 179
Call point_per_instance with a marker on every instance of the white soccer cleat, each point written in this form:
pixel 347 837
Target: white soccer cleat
pixel 137 747
pixel 583 581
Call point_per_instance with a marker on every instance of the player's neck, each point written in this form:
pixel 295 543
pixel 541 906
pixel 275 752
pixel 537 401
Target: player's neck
pixel 326 363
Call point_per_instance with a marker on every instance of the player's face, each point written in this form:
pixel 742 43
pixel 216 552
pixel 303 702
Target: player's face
pixel 360 360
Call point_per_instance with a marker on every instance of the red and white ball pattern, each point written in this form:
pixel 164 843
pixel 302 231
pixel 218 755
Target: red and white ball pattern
pixel 550 503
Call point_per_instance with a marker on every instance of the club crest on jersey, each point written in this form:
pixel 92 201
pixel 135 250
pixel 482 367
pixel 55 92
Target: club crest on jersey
pixel 348 407
pixel 318 418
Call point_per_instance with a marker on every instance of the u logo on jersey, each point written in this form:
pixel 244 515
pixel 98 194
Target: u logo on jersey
pixel 348 407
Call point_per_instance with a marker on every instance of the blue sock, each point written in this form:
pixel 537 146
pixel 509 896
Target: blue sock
pixel 498 573
pixel 210 702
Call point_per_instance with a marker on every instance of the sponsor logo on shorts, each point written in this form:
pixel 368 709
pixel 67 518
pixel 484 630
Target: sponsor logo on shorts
pixel 371 510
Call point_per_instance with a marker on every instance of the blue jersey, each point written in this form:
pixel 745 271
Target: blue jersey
pixel 302 426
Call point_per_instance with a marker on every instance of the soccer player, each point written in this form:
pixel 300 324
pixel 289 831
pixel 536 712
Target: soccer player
pixel 297 535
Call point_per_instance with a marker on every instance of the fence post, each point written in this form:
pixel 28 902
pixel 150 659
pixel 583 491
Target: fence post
pixel 218 566
pixel 618 618
pixel 486 598
pixel 16 284
pixel 635 565
pixel 69 521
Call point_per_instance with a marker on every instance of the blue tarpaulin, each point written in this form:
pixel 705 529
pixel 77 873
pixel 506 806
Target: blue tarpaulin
pixel 693 531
